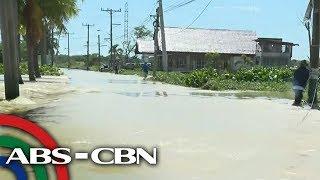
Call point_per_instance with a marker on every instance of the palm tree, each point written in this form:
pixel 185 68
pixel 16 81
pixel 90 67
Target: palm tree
pixel 32 23
pixel 57 13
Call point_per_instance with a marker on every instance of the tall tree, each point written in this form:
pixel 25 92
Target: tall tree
pixel 33 24
pixel 57 13
pixel 142 32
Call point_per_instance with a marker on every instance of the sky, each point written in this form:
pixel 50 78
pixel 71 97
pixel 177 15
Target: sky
pixel 268 18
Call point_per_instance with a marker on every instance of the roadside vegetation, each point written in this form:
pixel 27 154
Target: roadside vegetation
pixel 254 79
pixel 45 70
pixel 250 82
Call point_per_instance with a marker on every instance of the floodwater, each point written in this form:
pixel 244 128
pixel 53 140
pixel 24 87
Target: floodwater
pixel 199 134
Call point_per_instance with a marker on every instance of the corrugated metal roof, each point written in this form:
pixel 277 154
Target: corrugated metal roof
pixel 204 41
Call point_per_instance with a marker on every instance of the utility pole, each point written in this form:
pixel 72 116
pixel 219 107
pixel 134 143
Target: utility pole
pixel 163 38
pixel 69 61
pixel 69 64
pixel 99 46
pixel 156 42
pixel 314 57
pixel 111 11
pixel 9 32
pixel 88 43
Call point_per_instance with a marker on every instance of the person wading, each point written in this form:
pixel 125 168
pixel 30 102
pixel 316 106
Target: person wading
pixel 145 69
pixel 300 80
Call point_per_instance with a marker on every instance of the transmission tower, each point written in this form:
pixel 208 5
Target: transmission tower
pixel 126 31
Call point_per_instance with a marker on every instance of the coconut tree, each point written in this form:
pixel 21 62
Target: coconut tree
pixel 56 18
pixel 53 13
pixel 33 24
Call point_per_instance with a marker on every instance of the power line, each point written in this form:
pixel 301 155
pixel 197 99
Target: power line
pixel 182 4
pixel 197 18
pixel 147 19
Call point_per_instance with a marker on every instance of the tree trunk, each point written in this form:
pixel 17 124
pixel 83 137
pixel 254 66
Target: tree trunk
pixel 52 47
pixel 9 27
pixel 30 49
pixel 19 59
pixel 314 57
pixel 36 62
pixel 19 51
pixel 43 46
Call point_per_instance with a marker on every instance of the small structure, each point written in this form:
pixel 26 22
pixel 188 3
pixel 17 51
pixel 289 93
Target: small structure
pixel 273 52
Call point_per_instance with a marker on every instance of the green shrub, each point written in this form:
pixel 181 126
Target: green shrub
pixel 199 78
pixel 256 79
pixel 24 68
pixel 1 69
pixel 50 70
pixel 263 74
pixel 176 78
pixel 229 84
pixel 44 70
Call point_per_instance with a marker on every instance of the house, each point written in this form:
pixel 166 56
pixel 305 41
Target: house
pixel 187 48
pixel 273 52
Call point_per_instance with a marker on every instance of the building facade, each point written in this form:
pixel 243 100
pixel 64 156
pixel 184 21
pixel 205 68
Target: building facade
pixel 187 49
pixel 273 52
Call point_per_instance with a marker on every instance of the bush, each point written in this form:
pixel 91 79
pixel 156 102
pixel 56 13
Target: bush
pixel 44 70
pixel 50 71
pixel 257 79
pixel 199 78
pixel 229 84
pixel 171 78
pixel 1 69
pixel 263 74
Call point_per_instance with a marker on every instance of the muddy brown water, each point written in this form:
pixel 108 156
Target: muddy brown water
pixel 200 135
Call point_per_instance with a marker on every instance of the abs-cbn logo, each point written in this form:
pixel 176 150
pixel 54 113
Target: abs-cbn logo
pixel 61 156
pixel 50 153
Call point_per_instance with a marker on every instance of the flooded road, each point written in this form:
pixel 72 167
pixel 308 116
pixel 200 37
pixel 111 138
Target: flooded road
pixel 200 134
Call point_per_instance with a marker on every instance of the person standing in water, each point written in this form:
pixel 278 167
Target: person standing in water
pixel 300 80
pixel 145 69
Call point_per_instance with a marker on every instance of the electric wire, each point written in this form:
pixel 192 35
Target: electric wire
pixel 177 6
pixel 201 13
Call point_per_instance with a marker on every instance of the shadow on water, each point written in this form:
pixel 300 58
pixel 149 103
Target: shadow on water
pixel 40 115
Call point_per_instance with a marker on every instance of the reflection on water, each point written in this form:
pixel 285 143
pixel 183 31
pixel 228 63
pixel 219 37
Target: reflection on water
pixel 115 81
pixel 200 134
pixel 143 94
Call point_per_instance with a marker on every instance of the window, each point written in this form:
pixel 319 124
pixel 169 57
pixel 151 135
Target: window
pixel 200 63
pixel 181 62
